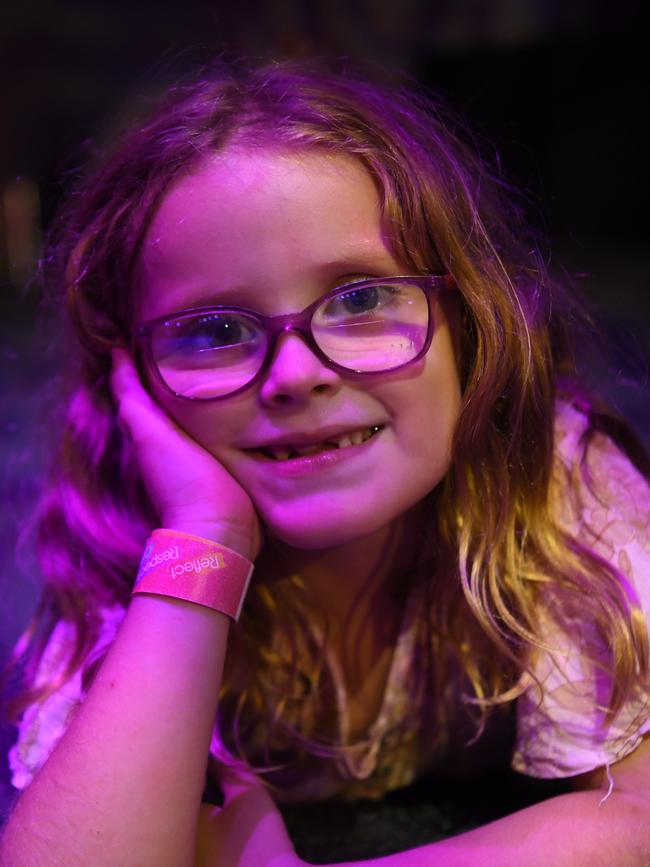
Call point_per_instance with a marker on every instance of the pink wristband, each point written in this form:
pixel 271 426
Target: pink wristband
pixel 195 569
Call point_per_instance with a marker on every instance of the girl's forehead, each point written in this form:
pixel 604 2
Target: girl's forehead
pixel 244 180
pixel 243 217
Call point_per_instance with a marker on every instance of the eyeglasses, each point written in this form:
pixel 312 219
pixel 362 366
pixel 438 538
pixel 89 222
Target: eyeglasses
pixel 364 327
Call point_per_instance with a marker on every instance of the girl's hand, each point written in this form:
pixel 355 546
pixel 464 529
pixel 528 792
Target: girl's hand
pixel 248 831
pixel 190 490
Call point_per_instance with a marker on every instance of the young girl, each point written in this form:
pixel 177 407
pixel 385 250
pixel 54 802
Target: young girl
pixel 315 339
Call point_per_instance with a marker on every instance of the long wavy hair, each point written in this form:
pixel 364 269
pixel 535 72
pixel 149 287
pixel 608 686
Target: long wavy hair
pixel 499 557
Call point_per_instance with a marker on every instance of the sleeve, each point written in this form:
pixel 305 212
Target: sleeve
pixel 43 724
pixel 566 734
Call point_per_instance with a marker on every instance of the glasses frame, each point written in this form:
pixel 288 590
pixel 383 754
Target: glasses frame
pixel 300 322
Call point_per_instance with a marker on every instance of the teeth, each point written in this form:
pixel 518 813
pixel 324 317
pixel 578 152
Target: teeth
pixel 312 450
pixel 370 432
pixel 280 453
pixel 283 453
pixel 356 438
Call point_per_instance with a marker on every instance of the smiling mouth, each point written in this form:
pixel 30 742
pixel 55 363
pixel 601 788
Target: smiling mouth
pixel 288 452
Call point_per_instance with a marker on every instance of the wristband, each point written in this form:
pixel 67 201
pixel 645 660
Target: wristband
pixel 195 569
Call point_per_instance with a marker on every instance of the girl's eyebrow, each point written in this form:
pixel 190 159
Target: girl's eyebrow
pixel 231 296
pixel 331 273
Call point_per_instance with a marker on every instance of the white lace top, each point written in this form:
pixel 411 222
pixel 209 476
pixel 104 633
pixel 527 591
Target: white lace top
pixel 560 738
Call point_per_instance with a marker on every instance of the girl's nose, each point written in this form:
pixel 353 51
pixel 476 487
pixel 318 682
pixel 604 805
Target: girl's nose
pixel 296 373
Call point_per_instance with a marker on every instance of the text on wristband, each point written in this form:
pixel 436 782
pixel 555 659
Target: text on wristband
pixel 197 565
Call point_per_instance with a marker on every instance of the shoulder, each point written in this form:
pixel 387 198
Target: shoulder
pixel 599 495
pixel 603 502
pixel 603 464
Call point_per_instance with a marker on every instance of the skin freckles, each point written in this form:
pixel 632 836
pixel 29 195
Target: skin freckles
pixel 274 231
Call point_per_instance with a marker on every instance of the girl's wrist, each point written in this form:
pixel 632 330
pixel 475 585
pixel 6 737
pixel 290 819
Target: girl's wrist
pixel 213 530
pixel 187 565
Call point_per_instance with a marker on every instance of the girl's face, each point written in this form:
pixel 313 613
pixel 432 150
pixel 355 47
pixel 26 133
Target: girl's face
pixel 273 232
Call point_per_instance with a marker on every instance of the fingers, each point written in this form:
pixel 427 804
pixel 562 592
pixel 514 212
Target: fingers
pixel 233 781
pixel 137 410
pixel 181 476
pixel 125 380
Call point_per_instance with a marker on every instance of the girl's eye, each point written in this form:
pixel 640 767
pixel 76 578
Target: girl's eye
pixel 366 300
pixel 215 331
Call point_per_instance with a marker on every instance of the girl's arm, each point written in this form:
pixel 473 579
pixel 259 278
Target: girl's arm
pixel 248 831
pixel 580 829
pixel 123 786
pixel 567 831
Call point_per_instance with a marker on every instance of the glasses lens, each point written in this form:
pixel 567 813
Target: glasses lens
pixel 208 355
pixel 374 327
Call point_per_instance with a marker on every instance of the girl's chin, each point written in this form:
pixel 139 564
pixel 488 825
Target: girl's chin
pixel 314 534
pixel 309 541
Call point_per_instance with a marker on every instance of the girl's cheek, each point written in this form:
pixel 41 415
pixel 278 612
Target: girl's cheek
pixel 220 439
pixel 195 422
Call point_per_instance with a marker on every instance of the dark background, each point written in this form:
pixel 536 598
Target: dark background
pixel 558 89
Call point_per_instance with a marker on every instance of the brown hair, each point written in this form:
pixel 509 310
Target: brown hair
pixel 500 557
